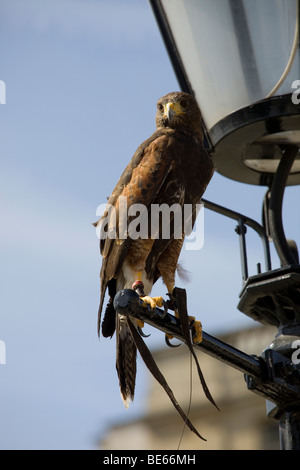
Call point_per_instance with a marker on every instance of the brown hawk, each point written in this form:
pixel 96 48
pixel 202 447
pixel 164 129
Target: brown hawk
pixel 171 167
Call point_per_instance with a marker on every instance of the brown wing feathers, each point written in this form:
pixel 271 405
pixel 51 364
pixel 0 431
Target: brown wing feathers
pixel 139 183
pixel 171 166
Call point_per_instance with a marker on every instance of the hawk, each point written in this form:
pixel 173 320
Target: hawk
pixel 170 167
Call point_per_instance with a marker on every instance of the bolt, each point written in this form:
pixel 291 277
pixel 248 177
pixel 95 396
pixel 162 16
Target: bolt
pixel 240 229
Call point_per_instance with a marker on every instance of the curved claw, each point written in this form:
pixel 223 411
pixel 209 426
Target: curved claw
pixel 142 333
pixel 167 340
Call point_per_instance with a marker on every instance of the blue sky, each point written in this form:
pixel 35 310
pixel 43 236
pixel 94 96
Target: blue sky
pixel 82 80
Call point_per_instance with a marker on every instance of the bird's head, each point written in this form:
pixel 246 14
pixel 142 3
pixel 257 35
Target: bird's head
pixel 179 110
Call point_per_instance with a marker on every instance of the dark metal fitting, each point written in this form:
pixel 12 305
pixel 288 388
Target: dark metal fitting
pixel 289 371
pixel 241 229
pixel 251 383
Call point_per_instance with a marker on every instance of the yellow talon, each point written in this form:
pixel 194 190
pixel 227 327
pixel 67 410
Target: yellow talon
pixel 140 323
pixel 153 301
pixel 197 337
pixel 159 301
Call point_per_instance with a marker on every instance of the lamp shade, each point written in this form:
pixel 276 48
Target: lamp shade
pixel 241 61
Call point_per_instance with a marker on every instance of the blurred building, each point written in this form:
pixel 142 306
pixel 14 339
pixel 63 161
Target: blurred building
pixel 241 423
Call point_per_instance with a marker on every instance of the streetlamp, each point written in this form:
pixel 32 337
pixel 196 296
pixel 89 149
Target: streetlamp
pixel 241 61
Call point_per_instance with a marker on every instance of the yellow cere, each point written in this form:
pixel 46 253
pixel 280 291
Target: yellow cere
pixel 176 108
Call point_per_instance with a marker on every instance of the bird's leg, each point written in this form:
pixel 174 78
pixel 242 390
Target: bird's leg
pixel 138 287
pixel 138 254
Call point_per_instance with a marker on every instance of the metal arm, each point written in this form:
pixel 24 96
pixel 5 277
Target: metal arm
pixel 259 371
pixel 243 221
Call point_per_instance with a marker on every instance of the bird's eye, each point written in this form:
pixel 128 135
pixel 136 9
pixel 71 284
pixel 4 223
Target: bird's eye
pixel 160 107
pixel 183 104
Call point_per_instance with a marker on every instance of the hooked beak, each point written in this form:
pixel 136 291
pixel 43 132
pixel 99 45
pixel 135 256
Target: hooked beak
pixel 171 110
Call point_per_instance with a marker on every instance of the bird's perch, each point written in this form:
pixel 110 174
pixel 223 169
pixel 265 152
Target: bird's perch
pixel 259 376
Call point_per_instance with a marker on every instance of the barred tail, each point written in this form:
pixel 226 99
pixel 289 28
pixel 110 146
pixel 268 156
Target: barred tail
pixel 125 360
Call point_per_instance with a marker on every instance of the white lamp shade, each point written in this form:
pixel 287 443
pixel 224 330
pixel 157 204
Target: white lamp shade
pixel 236 53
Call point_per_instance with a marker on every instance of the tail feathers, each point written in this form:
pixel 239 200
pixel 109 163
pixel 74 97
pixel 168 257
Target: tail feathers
pixel 125 360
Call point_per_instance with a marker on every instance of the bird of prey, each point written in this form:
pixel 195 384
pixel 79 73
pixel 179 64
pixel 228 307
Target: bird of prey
pixel 170 167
